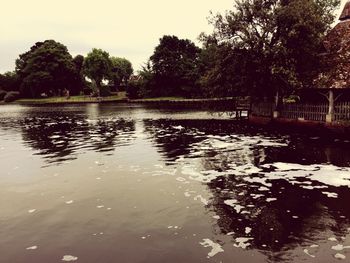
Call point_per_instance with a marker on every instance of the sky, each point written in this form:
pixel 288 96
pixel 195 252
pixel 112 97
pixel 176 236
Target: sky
pixel 124 28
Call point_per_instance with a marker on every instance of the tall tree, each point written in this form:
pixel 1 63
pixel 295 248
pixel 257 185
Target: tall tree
pixel 9 81
pixel 46 68
pixel 174 63
pixel 121 71
pixel 97 66
pixel 275 43
pixel 79 81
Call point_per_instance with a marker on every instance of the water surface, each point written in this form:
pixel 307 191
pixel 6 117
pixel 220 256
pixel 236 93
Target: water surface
pixel 123 183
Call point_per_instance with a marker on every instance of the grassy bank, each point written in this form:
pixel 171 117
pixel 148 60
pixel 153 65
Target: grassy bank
pixel 121 96
pixel 157 99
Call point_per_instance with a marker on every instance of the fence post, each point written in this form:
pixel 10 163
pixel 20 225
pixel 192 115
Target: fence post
pixel 330 114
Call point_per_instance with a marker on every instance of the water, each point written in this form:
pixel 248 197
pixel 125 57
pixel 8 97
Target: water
pixel 104 183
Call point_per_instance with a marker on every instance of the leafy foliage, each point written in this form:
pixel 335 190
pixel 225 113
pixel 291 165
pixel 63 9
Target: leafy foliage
pixel 174 67
pixel 97 66
pixel 11 96
pixel 269 45
pixel 120 72
pixel 46 68
pixel 2 94
pixel 9 81
pixel 79 79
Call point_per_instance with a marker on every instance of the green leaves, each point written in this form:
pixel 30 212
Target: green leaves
pixel 46 68
pixel 281 40
pixel 175 67
pixel 97 65
pixel 121 71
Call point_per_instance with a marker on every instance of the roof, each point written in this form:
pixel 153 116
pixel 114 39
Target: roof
pixel 345 15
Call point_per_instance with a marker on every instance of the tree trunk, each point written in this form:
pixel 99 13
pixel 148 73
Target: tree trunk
pixel 331 102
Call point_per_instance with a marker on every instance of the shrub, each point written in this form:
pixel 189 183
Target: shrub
pixel 11 96
pixel 2 94
pixel 133 90
pixel 105 91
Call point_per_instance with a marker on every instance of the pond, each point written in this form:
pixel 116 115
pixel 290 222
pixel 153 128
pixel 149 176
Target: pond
pixel 123 183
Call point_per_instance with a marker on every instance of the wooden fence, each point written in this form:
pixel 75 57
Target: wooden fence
pixel 301 111
pixel 263 109
pixel 311 112
pixel 342 111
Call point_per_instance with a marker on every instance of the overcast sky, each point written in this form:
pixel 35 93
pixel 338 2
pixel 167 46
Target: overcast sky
pixel 128 28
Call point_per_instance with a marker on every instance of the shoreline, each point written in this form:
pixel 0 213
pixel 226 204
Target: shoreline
pixel 117 99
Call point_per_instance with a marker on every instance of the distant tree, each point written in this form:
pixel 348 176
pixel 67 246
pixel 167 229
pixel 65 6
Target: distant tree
pixel 46 68
pixel 78 61
pixel 120 72
pixel 79 80
pixel 9 81
pixel 273 45
pixel 97 66
pixel 174 65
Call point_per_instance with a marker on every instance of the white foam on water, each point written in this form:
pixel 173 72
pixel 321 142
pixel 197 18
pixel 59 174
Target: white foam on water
pixel 306 251
pixel 339 256
pixel 233 203
pixel 270 199
pixel 256 196
pixel 314 246
pixel 242 242
pixel 309 187
pixel 181 179
pixel 263 188
pixel 69 202
pixel 32 248
pixel 271 143
pixel 230 233
pixel 325 174
pixel 31 211
pixel 292 166
pixel 216 248
pixel 100 206
pixel 202 199
pixel 69 258
pixel 187 194
pixel 332 239
pixel 340 247
pixel 179 127
pixel 248 230
pixel 330 195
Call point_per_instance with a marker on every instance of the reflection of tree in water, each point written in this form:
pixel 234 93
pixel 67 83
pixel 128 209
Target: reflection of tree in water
pixel 297 215
pixel 278 217
pixel 177 138
pixel 294 215
pixel 61 138
pixel 172 138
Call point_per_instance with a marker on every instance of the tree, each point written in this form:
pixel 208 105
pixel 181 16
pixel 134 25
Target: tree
pixel 274 44
pixel 46 68
pixel 174 64
pixel 9 81
pixel 121 71
pixel 97 66
pixel 79 81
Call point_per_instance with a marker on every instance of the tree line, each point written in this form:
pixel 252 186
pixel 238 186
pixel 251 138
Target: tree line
pixel 48 69
pixel 260 48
